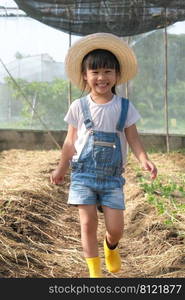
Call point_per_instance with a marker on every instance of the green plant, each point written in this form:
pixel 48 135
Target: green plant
pixel 166 197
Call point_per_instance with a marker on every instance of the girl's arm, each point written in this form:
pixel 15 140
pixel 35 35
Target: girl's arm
pixel 139 151
pixel 68 151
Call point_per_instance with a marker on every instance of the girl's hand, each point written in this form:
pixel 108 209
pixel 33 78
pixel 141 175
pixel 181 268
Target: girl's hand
pixel 57 176
pixel 149 166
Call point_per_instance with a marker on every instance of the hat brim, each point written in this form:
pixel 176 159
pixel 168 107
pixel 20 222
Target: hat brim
pixel 107 41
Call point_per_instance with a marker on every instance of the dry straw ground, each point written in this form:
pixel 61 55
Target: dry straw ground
pixel 40 233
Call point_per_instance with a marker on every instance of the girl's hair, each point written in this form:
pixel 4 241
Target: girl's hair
pixel 100 58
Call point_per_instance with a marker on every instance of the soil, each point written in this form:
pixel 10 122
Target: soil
pixel 40 233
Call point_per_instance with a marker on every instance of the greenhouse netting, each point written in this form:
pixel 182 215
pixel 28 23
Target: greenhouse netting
pixel 36 62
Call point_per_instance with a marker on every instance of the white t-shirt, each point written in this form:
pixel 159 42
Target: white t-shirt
pixel 105 118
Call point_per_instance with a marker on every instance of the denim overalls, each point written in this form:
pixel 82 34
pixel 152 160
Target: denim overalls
pixel 99 166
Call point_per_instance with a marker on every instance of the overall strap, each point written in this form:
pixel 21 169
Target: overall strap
pixel 86 113
pixel 123 114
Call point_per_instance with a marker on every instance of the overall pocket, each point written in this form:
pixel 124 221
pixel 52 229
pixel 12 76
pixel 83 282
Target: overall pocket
pixel 103 152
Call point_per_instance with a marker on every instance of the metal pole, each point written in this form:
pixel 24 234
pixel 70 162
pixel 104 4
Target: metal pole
pixel 127 83
pixel 166 84
pixel 69 84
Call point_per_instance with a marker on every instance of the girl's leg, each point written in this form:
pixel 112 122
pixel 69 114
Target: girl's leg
pixel 114 222
pixel 89 224
pixel 114 230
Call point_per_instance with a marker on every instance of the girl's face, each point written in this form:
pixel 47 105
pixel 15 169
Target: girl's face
pixel 101 81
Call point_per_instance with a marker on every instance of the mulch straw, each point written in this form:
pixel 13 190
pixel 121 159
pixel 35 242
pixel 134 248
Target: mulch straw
pixel 40 233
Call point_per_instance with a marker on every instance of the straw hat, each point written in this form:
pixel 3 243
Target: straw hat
pixel 107 41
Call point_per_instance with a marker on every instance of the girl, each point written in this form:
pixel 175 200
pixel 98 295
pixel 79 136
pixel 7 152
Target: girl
pixel 99 126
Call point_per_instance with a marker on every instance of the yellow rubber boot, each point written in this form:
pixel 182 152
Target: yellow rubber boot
pixel 94 266
pixel 112 259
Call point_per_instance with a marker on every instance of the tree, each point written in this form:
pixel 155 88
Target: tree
pixel 148 87
pixel 19 55
pixel 48 100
